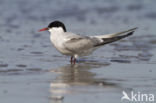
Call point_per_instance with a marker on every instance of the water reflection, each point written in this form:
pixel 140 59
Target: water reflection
pixel 77 78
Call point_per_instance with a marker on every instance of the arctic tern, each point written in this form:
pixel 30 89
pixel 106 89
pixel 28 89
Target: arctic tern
pixel 74 45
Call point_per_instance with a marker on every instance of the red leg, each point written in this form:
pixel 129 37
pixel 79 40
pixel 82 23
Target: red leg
pixel 74 60
pixel 71 59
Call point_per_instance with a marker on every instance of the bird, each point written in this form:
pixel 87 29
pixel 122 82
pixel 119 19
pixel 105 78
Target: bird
pixel 75 45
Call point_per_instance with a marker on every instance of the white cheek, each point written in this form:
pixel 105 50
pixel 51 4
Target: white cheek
pixel 56 30
pixel 50 30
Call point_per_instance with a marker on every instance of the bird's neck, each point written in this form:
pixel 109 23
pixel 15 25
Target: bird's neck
pixel 57 37
pixel 56 33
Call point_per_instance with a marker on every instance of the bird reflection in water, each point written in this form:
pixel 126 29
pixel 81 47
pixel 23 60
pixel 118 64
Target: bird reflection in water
pixel 77 78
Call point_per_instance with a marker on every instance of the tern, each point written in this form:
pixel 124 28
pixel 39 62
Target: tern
pixel 75 45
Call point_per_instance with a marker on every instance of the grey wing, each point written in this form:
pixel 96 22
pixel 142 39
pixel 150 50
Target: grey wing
pixel 80 44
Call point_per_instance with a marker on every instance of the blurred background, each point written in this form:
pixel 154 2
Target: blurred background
pixel 31 70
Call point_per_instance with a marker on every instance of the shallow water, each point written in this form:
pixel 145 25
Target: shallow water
pixel 32 71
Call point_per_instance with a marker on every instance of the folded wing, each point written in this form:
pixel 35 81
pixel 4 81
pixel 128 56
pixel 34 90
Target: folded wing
pixel 81 44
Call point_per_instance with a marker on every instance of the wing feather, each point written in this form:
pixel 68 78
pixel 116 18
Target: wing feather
pixel 80 44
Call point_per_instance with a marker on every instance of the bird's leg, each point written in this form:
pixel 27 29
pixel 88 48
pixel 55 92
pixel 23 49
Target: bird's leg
pixel 74 60
pixel 71 59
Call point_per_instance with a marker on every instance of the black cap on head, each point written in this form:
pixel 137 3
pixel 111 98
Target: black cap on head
pixel 57 24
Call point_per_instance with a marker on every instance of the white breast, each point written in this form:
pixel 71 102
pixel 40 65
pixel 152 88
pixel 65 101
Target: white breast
pixel 57 38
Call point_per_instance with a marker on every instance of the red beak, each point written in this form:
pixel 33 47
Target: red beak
pixel 44 29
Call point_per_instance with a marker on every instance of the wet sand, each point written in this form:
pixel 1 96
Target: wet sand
pixel 32 71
